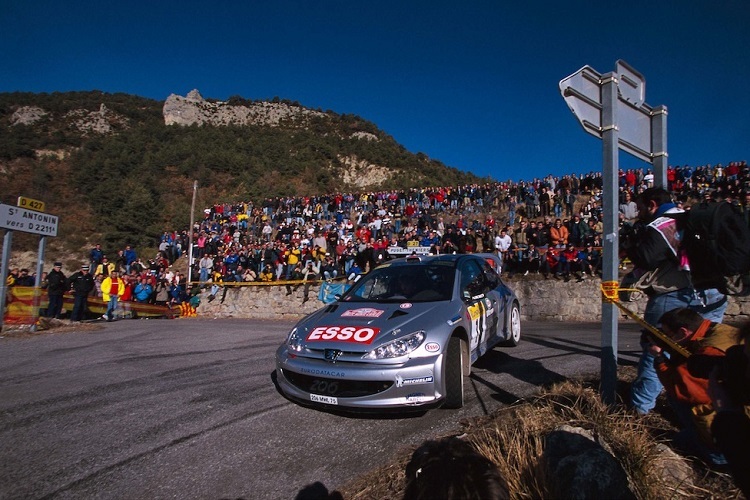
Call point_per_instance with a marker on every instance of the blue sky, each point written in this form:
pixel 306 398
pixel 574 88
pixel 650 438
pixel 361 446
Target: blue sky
pixel 473 84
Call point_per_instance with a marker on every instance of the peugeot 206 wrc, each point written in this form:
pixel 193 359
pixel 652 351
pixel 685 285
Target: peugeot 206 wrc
pixel 406 334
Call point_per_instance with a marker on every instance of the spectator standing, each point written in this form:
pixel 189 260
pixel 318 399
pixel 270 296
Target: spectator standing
pixel 95 256
pixel 24 279
pixel 105 267
pixel 113 287
pixel 206 264
pixel 568 200
pixel 520 241
pixel 503 242
pixel 628 208
pixel 82 284
pixel 55 290
pixel 127 296
pixel 665 279
pixel 130 257
pixel 293 255
pixel 544 202
pixel 12 277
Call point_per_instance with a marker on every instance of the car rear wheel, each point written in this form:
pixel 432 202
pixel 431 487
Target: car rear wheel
pixel 514 326
pixel 454 373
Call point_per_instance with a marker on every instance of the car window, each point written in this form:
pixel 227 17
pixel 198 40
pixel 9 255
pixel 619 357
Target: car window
pixel 493 279
pixel 470 278
pixel 413 283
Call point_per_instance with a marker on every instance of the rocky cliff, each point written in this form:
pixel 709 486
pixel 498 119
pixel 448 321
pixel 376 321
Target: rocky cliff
pixel 101 121
pixel 193 109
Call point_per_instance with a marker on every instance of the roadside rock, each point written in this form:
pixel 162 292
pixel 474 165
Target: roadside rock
pixel 583 467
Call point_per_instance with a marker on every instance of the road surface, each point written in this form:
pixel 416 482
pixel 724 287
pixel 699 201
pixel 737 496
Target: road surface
pixel 188 409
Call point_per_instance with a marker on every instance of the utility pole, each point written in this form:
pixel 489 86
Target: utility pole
pixel 190 234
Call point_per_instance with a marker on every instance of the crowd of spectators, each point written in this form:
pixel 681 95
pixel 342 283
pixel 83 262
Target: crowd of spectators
pixel 550 226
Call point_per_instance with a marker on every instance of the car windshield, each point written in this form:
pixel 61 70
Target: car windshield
pixel 412 283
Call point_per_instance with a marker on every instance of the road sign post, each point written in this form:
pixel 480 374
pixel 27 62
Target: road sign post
pixel 22 219
pixel 612 107
pixel 610 260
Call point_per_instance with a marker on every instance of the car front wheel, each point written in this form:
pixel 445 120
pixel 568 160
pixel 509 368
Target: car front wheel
pixel 454 373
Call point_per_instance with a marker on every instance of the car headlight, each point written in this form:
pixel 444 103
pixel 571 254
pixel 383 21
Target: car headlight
pixel 399 347
pixel 294 341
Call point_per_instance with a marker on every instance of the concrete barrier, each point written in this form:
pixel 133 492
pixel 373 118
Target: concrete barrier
pixel 541 300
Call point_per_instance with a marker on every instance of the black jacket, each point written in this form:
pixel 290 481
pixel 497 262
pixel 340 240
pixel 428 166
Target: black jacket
pixel 56 282
pixel 82 284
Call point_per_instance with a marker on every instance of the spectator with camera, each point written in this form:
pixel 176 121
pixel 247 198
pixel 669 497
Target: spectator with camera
pixel 662 273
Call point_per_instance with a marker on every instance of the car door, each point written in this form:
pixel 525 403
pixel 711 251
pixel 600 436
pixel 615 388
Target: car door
pixel 481 305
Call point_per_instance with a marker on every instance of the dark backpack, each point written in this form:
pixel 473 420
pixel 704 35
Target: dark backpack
pixel 717 241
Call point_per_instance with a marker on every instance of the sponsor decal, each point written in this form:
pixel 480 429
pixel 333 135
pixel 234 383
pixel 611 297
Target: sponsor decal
pixel 475 311
pixel 454 320
pixel 432 347
pixel 405 305
pixel 364 312
pixel 408 251
pixel 418 380
pixel 356 334
pixel 400 382
pixel 327 373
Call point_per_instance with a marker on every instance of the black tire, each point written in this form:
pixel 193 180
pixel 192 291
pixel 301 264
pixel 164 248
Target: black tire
pixel 514 326
pixel 453 374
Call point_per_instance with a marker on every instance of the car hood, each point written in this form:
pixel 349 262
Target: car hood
pixel 362 326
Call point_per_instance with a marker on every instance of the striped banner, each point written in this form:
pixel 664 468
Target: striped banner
pixel 20 307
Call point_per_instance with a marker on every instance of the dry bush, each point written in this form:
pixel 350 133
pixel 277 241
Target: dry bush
pixel 513 438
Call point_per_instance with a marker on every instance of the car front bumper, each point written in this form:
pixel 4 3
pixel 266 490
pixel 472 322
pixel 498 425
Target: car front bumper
pixel 415 382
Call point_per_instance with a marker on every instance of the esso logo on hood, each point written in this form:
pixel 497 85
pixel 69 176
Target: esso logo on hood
pixel 357 334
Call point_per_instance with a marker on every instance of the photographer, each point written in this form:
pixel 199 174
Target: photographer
pixel 663 275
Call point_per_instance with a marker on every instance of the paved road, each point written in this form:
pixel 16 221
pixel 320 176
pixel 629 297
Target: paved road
pixel 188 409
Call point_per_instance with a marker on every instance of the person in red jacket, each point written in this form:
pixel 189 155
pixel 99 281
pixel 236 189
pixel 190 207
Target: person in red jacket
pixel 687 393
pixel 127 296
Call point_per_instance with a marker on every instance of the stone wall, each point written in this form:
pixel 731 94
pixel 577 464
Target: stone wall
pixel 541 300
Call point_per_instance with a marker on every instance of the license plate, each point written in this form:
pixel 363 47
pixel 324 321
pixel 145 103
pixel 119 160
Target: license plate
pixel 323 399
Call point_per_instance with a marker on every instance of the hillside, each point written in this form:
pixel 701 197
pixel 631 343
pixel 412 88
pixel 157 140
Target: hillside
pixel 120 168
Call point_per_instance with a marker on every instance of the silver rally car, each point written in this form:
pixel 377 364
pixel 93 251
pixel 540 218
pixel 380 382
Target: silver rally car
pixel 406 334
